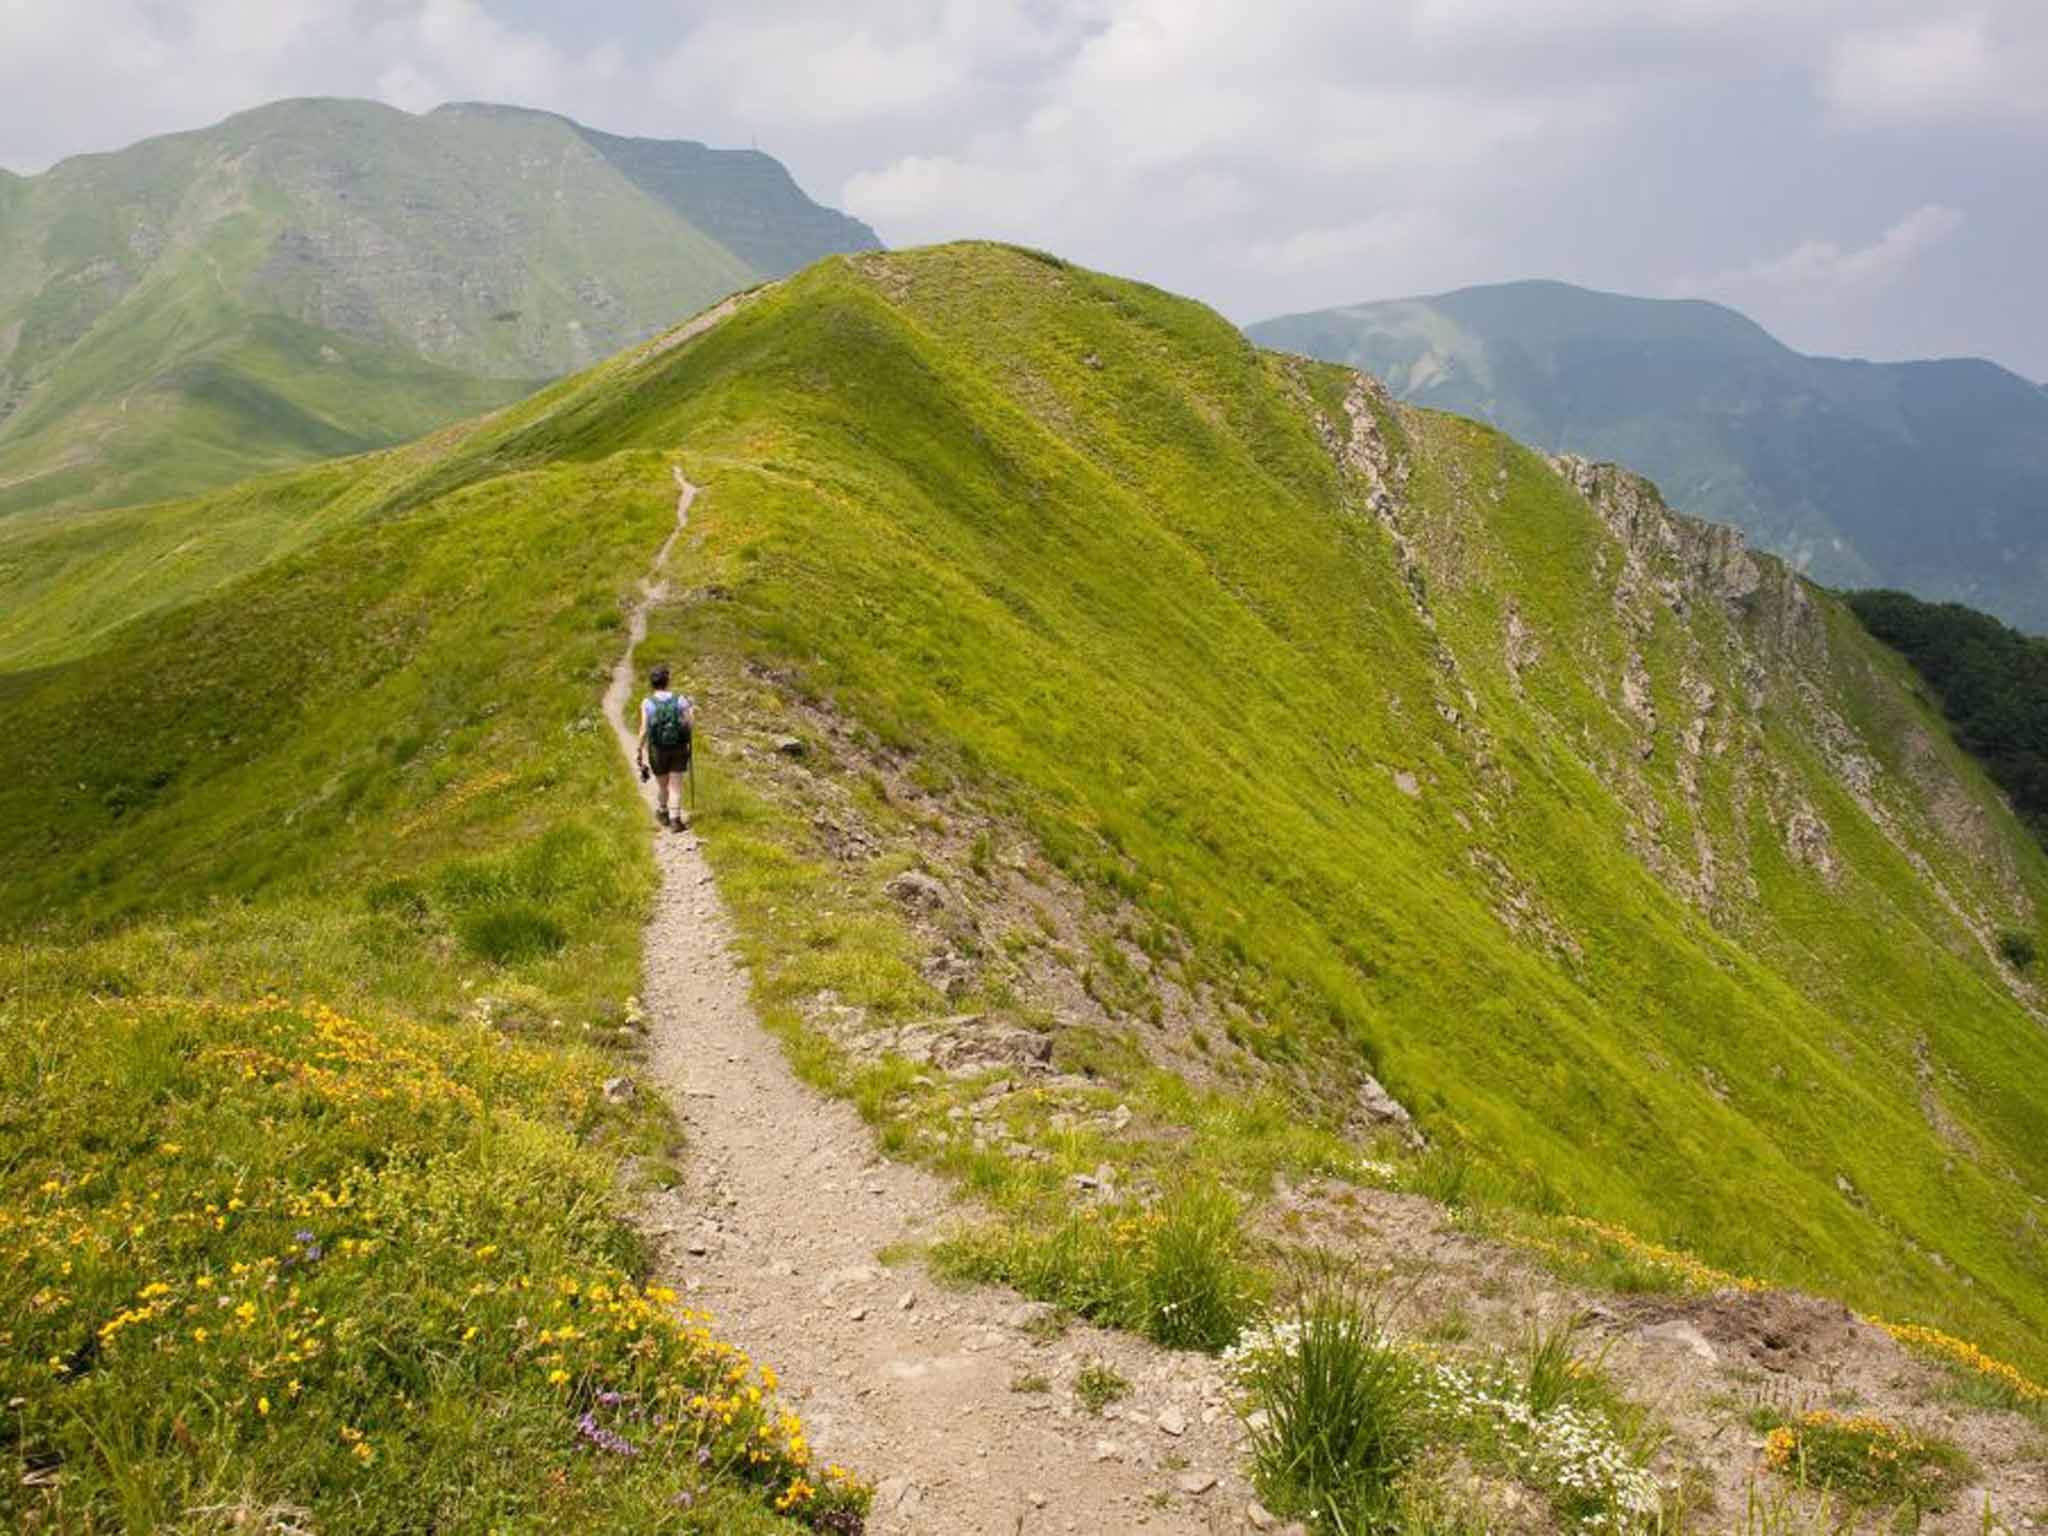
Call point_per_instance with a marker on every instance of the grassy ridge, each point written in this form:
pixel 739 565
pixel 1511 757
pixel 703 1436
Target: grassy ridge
pixel 324 899
pixel 1084 563
pixel 1076 544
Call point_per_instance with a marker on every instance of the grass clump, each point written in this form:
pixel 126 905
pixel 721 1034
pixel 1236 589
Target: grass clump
pixel 1098 1384
pixel 1351 1425
pixel 1337 1411
pixel 1868 1461
pixel 1175 1272
pixel 506 935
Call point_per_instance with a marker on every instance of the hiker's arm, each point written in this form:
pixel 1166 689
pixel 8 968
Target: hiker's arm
pixel 640 741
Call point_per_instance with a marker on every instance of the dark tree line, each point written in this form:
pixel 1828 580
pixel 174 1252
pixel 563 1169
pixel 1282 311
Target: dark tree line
pixel 1991 681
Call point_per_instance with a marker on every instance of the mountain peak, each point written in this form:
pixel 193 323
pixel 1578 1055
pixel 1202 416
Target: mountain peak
pixel 321 275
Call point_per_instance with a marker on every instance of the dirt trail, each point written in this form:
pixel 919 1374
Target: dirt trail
pixel 775 1234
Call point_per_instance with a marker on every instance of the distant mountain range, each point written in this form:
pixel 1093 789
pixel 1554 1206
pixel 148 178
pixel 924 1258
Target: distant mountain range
pixel 1927 476
pixel 314 278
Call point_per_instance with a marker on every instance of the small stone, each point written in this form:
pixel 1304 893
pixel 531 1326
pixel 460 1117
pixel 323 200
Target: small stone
pixel 617 1090
pixel 1258 1517
pixel 1197 1482
pixel 1679 1334
pixel 791 746
pixel 914 888
pixel 1038 1499
pixel 859 1314
pixel 1120 1117
pixel 906 1301
pixel 1172 1421
pixel 1108 1450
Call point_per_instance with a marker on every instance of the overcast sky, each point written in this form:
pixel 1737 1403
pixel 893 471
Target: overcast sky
pixel 1867 177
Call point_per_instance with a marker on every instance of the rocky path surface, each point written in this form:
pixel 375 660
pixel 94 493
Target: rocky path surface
pixel 961 1405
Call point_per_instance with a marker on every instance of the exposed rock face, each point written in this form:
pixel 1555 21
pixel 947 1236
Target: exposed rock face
pixel 1377 1109
pixel 921 891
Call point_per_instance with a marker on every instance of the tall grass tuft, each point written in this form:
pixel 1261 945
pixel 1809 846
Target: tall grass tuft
pixel 1337 1412
pixel 1197 1291
pixel 1175 1272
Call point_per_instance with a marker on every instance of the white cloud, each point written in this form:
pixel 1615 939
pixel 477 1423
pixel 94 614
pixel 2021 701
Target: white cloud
pixel 854 62
pixel 1823 271
pixel 456 50
pixel 1182 114
pixel 1911 70
pixel 940 196
pixel 1366 243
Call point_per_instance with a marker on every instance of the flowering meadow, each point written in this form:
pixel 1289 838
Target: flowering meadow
pixel 266 1255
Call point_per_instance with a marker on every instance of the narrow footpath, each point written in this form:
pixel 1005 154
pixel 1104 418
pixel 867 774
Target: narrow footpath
pixel 957 1404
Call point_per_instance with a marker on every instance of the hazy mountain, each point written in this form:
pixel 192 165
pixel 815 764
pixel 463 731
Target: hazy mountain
pixel 318 277
pixel 1927 476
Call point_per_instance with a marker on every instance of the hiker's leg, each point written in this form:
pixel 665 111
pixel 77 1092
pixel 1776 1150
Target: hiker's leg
pixel 662 781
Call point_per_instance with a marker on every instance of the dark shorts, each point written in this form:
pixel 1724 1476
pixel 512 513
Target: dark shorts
pixel 673 760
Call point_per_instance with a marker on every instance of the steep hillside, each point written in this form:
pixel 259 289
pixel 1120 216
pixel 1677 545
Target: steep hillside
pixel 1618 853
pixel 318 277
pixel 1130 757
pixel 1929 476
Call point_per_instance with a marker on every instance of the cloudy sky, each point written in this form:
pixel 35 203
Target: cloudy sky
pixel 1867 177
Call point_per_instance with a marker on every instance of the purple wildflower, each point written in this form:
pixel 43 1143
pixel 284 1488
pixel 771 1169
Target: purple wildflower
pixel 604 1439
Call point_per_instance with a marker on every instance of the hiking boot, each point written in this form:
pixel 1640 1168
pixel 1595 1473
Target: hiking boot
pixel 661 815
pixel 680 821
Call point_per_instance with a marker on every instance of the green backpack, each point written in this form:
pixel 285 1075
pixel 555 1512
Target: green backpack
pixel 665 727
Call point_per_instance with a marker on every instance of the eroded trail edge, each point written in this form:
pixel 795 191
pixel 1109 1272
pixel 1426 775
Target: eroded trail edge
pixel 960 1408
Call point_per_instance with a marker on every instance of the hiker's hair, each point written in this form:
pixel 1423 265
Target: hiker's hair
pixel 658 677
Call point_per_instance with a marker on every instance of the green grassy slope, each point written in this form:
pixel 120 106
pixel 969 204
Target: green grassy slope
pixel 1924 475
pixel 311 991
pixel 318 277
pixel 1075 540
pixel 1628 861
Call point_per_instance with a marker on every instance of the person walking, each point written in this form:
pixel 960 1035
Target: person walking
pixel 666 723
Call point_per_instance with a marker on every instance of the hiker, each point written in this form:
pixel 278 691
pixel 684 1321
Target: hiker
pixel 664 747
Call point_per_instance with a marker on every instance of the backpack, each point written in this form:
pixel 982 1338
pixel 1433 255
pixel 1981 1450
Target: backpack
pixel 666 728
